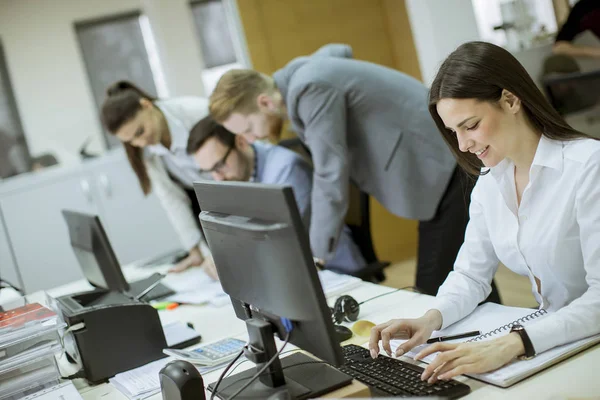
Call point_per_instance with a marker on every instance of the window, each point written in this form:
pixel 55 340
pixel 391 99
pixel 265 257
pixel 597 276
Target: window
pixel 116 48
pixel 219 45
pixel 14 154
pixel 515 24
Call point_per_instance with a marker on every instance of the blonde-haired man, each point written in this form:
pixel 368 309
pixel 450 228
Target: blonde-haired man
pixel 364 122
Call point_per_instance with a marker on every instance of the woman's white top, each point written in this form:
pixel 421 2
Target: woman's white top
pixel 554 235
pixel 182 114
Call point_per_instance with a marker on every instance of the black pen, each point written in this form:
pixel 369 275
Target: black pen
pixel 452 337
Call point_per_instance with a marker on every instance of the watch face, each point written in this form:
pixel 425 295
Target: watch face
pixel 525 358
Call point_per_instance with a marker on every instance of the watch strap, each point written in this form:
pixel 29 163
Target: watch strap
pixel 529 350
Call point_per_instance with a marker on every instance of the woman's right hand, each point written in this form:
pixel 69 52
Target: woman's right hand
pixel 194 258
pixel 417 331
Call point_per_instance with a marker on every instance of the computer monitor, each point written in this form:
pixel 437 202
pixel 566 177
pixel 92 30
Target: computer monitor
pixel 99 263
pixel 93 251
pixel 262 255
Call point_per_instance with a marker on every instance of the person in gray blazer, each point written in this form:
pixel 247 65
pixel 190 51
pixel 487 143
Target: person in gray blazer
pixel 361 122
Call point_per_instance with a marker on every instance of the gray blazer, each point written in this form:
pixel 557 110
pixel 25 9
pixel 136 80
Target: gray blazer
pixel 368 123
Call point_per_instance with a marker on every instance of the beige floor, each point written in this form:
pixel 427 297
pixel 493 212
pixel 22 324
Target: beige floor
pixel 515 290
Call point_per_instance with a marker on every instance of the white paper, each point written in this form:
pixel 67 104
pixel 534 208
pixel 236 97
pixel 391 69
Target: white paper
pixel 333 283
pixel 200 295
pixel 63 391
pixel 140 382
pixel 193 286
pixel 191 279
pixel 143 382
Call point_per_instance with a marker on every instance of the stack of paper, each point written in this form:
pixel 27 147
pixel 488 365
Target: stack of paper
pixel 193 286
pixel 63 391
pixel 142 382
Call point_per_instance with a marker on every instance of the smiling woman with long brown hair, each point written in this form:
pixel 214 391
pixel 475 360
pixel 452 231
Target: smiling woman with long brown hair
pixel 534 208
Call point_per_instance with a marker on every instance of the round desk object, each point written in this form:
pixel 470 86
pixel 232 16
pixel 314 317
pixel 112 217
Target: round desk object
pixel 362 327
pixel 180 380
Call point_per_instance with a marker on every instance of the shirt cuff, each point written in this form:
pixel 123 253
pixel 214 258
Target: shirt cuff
pixel 448 310
pixel 191 240
pixel 543 335
pixel 204 249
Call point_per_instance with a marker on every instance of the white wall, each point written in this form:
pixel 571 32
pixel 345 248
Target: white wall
pixel 48 75
pixel 439 27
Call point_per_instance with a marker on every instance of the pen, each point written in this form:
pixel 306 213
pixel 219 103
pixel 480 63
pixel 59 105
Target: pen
pixel 452 337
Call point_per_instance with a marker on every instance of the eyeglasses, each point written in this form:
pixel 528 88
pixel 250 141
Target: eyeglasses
pixel 219 165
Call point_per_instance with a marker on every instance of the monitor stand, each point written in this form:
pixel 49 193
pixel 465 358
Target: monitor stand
pixel 298 376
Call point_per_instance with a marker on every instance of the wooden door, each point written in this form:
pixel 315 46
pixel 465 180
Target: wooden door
pixel 378 30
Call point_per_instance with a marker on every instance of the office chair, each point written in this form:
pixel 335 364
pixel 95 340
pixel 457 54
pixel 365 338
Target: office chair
pixel 358 219
pixel 573 92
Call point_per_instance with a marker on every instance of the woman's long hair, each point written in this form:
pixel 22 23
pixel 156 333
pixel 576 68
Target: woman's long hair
pixel 122 103
pixel 479 70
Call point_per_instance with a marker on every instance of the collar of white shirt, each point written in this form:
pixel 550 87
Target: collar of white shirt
pixel 549 154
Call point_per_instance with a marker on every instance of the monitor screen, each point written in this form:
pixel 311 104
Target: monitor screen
pixel 93 251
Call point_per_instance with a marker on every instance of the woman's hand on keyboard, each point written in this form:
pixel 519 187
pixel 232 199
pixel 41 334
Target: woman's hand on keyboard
pixel 417 331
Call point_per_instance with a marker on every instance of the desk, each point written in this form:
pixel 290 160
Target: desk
pixel 572 378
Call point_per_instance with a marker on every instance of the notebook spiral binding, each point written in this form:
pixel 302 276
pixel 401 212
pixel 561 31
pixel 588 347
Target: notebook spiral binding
pixel 506 327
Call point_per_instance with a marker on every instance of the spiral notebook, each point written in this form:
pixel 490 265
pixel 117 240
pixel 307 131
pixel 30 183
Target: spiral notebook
pixel 494 320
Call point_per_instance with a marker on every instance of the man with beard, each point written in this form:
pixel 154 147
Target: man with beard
pixel 364 122
pixel 231 158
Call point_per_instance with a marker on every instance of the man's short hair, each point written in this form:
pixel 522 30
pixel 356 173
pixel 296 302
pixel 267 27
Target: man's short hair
pixel 204 130
pixel 237 91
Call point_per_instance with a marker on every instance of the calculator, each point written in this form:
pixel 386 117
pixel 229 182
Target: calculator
pixel 210 354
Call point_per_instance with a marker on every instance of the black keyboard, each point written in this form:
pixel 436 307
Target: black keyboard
pixel 158 292
pixel 392 377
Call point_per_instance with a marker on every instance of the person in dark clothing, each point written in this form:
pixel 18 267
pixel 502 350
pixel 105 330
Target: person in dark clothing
pixel 584 16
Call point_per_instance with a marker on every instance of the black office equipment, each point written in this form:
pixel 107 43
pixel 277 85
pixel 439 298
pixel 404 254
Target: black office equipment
pixel 343 333
pixel 263 258
pixel 99 263
pixel 345 309
pixel 113 331
pixel 180 380
pixel 392 377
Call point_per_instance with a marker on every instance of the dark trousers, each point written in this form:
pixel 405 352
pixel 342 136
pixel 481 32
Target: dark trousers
pixel 441 237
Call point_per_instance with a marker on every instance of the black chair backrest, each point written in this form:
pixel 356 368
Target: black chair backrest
pixel 574 92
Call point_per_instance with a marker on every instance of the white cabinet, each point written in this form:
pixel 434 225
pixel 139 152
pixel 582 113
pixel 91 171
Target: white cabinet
pixel 137 225
pixel 38 232
pixel 31 205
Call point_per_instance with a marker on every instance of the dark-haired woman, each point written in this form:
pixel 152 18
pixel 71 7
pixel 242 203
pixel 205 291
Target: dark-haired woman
pixel 154 133
pixel 534 208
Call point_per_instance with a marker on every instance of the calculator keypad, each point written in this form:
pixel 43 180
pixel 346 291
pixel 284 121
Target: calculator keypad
pixel 220 349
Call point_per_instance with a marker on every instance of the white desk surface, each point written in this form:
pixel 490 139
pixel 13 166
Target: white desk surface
pixel 573 378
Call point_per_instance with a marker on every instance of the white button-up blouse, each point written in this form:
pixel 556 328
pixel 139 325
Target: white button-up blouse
pixel 554 236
